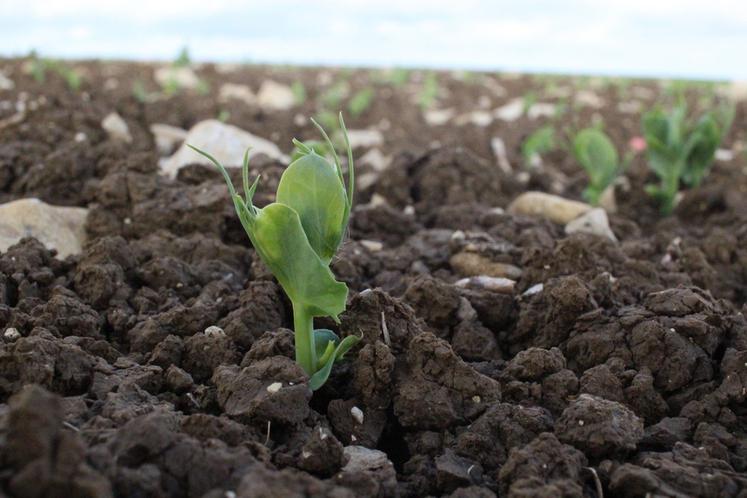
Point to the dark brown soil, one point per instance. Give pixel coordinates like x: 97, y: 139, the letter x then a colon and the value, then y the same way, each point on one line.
x: 625, y: 374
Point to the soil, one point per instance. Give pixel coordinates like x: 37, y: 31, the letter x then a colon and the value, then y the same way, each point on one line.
x: 141, y: 367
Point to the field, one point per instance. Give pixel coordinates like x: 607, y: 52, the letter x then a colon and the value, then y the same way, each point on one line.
x: 507, y: 348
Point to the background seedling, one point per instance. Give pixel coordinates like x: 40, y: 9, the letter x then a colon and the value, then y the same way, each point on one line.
x: 429, y: 91
x: 540, y: 141
x: 361, y: 101
x: 597, y: 155
x: 296, y: 237
x: 681, y: 150
x: 299, y: 92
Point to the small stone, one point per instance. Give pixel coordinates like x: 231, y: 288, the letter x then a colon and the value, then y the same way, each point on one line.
x: 494, y: 284
x: 357, y: 414
x: 11, y: 334
x: 498, y: 147
x: 232, y: 91
x: 275, y: 96
x: 477, y: 118
x: 608, y: 200
x: 57, y: 227
x: 167, y: 137
x: 511, y: 111
x: 551, y: 207
x: 372, y: 245
x: 375, y: 159
x: 541, y: 110
x: 594, y: 222
x: 274, y: 387
x: 535, y: 289
x: 214, y: 331
x: 6, y: 83
x: 438, y: 117
x: 182, y: 77
x: 471, y: 264
x: 365, y: 138
x: 116, y: 128
x: 589, y: 99
x: 724, y: 155
x: 735, y: 90
x: 225, y: 142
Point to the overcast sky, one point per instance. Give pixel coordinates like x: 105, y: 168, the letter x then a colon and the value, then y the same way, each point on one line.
x: 680, y: 38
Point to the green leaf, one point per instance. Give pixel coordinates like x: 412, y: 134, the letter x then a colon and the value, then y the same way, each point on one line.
x: 320, y: 377
x: 303, y: 148
x: 598, y: 156
x: 280, y: 240
x: 311, y: 187
x: 322, y: 338
x: 345, y: 346
x: 541, y: 141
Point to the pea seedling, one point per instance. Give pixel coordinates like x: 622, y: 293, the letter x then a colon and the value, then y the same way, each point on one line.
x: 539, y: 142
x: 598, y: 156
x: 680, y: 150
x: 297, y: 237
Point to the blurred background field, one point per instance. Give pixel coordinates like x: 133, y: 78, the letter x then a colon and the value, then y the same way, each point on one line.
x: 686, y: 39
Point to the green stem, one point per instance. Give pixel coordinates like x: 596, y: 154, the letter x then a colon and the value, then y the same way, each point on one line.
x: 671, y: 186
x: 303, y: 323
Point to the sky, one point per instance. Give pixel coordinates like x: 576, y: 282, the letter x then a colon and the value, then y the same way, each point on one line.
x: 662, y: 38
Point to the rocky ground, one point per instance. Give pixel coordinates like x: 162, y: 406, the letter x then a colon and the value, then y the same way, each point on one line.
x: 516, y: 342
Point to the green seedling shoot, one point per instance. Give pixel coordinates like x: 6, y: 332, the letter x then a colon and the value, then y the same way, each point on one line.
x: 361, y: 101
x: 319, y: 147
x: 598, y: 156
x: 680, y: 150
x: 299, y: 92
x: 540, y: 141
x: 296, y: 237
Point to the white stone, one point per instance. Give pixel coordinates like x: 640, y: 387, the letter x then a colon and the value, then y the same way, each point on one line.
x: 590, y: 99
x: 630, y: 107
x: 594, y: 222
x: 183, y: 77
x: 11, y: 334
x: 535, y: 289
x: 372, y: 245
x: 477, y: 118
x: 232, y: 91
x: 541, y: 110
x: 495, y: 284
x: 499, y: 150
x: 364, y: 181
x: 365, y: 138
x: 551, y: 207
x: 6, y: 83
x: 642, y: 92
x: 357, y: 414
x: 736, y: 90
x: 167, y: 137
x: 214, y: 331
x: 116, y: 127
x: 57, y: 227
x: 725, y: 155
x: 275, y: 96
x: 374, y: 158
x: 438, y: 117
x: 225, y: 142
x: 511, y: 111
x: 274, y: 387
